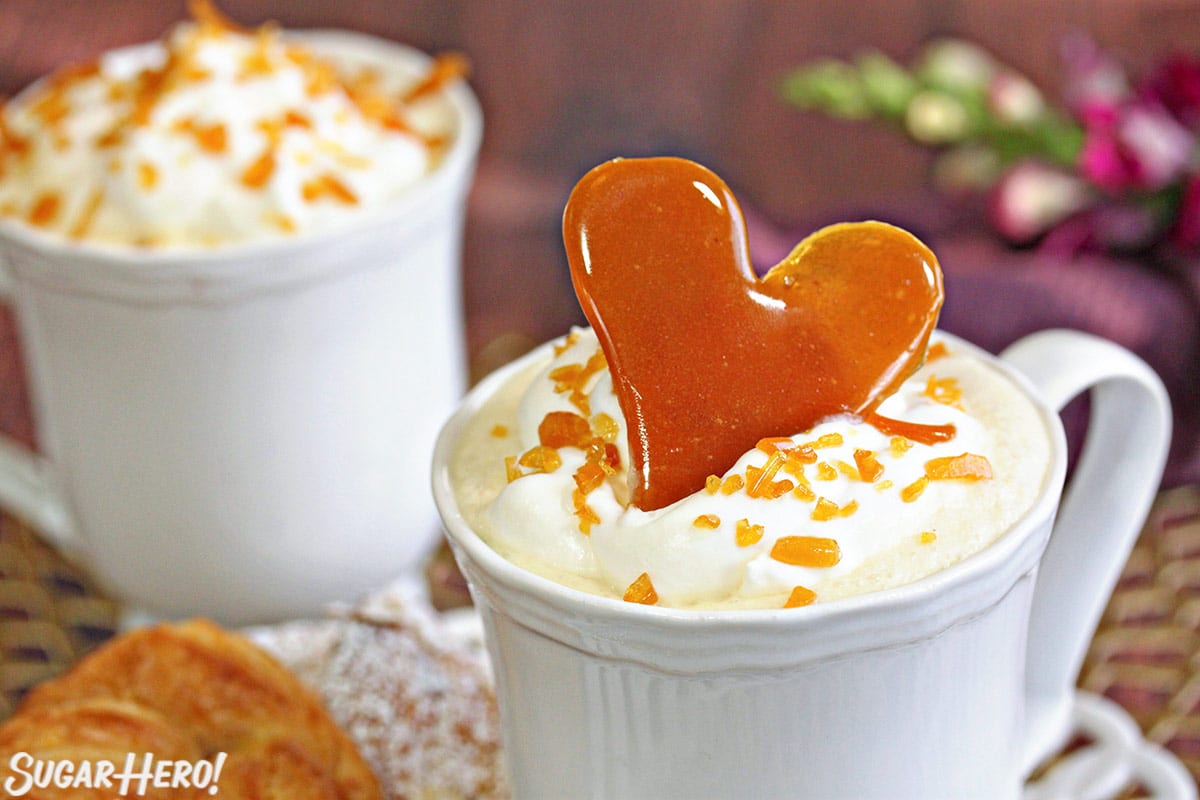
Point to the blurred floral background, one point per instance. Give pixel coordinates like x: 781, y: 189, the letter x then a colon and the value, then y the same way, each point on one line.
x: 1115, y: 168
x: 1047, y: 151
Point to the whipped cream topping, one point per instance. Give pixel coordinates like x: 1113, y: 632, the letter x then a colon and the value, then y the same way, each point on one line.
x: 216, y: 135
x: 838, y: 510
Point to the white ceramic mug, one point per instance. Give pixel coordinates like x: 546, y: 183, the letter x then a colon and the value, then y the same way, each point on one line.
x: 243, y: 432
x: 950, y: 687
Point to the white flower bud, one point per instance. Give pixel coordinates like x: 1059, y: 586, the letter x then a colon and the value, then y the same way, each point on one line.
x: 1014, y: 100
x: 957, y: 65
x: 934, y: 117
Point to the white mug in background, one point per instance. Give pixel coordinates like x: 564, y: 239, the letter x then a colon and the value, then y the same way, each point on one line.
x: 954, y: 686
x: 243, y: 432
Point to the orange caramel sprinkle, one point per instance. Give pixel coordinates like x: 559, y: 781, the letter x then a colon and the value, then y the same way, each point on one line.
x: 758, y: 480
x: 328, y: 185
x: 50, y: 105
x: 943, y: 390
x: 587, y: 516
x: 804, y: 492
x: 10, y: 143
x: 260, y: 171
x: 796, y: 470
x: 258, y: 61
x: 283, y: 222
x: 572, y: 379
x: 605, y: 427
x: 827, y: 440
x: 589, y: 476
x: 779, y: 489
x: 925, y: 434
x: 511, y: 471
x: 936, y: 350
x: 899, y: 445
x: 806, y: 551
x: 321, y: 77
x: 712, y: 484
x: 963, y: 467
x: 273, y: 128
x: 641, y: 591
x: 210, y: 138
x: 773, y: 444
x: 800, y: 596
x: 45, y: 209
x: 848, y: 470
x: 824, y: 510
x: 745, y: 534
x: 84, y: 221
x: 147, y: 175
x: 606, y: 455
x: 375, y: 105
x: 206, y: 13
x: 732, y: 484
x: 826, y: 472
x: 213, y: 138
x: 928, y: 537
x: 447, y: 68
x: 110, y: 138
x: 869, y: 468
x: 804, y: 454
x: 296, y: 119
x: 911, y: 492
x: 499, y: 431
x: 564, y: 429
x: 566, y: 344
x: 540, y: 459
x: 709, y: 521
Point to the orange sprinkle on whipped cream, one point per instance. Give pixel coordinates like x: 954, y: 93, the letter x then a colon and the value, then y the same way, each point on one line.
x: 252, y: 124
x: 641, y: 591
x: 806, y: 551
x: 801, y: 512
x: 800, y: 596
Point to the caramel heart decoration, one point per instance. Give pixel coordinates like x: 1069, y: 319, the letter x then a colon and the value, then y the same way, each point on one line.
x: 706, y: 358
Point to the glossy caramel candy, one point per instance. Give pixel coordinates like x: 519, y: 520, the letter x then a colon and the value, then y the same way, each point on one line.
x: 706, y: 358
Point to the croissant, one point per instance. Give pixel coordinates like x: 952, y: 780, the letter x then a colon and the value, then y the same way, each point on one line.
x: 186, y: 694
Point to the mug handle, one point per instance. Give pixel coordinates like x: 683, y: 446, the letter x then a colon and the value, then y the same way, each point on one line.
x: 29, y: 486
x: 1105, y: 505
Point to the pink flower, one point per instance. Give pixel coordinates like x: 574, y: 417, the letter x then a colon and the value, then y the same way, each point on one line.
x: 1101, y: 160
x: 1135, y: 146
x: 1176, y: 84
x: 1032, y: 197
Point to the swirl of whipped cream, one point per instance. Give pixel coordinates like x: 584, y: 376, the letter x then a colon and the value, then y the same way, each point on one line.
x: 813, y: 515
x: 214, y: 135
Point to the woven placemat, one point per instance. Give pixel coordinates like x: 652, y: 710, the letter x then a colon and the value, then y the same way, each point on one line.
x: 1145, y: 656
x: 50, y: 612
x: 1146, y: 653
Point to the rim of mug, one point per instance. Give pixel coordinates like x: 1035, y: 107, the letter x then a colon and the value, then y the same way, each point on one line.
x: 1013, y: 554
x: 226, y: 261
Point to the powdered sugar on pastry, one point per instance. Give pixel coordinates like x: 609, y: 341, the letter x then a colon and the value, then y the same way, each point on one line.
x: 414, y: 697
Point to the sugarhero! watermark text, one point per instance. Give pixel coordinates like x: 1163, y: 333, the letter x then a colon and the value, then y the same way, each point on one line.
x: 133, y: 778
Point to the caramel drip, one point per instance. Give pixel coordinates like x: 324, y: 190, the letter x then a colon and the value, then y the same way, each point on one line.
x: 914, y: 431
